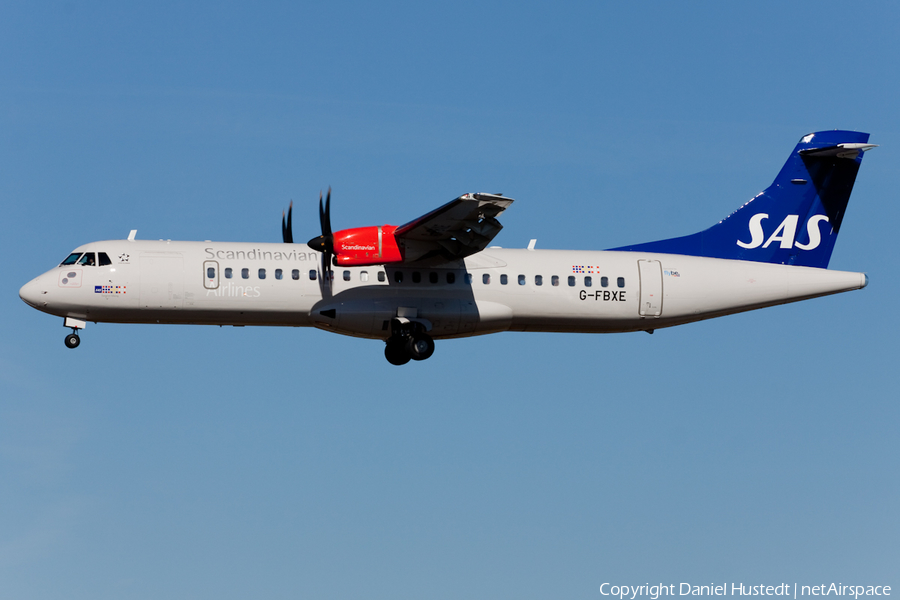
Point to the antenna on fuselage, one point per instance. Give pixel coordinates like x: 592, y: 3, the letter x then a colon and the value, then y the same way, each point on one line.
x: 131, y: 235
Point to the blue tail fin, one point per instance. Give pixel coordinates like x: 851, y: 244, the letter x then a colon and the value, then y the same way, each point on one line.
x: 796, y: 220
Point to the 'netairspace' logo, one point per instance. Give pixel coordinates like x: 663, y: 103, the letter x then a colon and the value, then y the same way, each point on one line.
x: 631, y: 592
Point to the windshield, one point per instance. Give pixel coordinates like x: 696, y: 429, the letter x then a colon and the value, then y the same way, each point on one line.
x: 71, y: 259
x: 88, y: 260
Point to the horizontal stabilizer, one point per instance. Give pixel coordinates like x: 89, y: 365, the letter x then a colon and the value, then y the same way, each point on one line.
x: 841, y: 150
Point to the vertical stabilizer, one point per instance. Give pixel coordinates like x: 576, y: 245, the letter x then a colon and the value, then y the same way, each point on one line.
x: 796, y: 220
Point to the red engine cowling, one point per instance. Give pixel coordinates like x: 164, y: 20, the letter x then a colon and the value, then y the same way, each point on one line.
x: 362, y: 246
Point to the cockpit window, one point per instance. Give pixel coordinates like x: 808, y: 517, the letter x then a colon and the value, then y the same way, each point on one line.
x: 71, y: 259
x: 103, y: 257
x: 88, y: 260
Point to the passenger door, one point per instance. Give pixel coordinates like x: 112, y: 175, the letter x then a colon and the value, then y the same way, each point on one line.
x: 651, y: 288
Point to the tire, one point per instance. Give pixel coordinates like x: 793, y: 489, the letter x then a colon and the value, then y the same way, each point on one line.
x: 396, y: 353
x: 72, y: 340
x: 420, y: 346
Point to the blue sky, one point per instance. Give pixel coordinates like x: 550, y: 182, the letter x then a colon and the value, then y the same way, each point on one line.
x: 192, y: 462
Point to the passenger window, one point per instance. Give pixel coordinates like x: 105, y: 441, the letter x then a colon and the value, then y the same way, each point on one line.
x: 587, y: 281
x: 346, y: 275
x: 312, y: 274
x: 295, y: 274
x: 210, y: 272
x: 398, y: 276
x: 468, y: 278
x: 103, y: 259
x: 417, y: 277
x: 381, y: 276
x: 278, y: 273
x: 504, y: 279
x: 521, y: 280
x: 451, y: 277
x: 604, y: 281
x: 71, y: 259
x: 554, y: 281
x: 245, y: 273
x: 262, y: 273
x: 538, y: 280
x: 433, y: 277
x: 620, y: 282
x: 227, y: 272
x: 88, y: 260
x: 571, y: 281
x: 363, y: 275
x: 486, y: 278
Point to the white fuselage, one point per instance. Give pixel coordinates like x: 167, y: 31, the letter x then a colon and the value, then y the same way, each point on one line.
x: 224, y: 283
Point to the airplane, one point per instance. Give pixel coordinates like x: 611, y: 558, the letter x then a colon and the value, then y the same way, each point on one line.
x: 436, y: 278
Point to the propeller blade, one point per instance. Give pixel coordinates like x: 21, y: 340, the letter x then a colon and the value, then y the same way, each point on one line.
x: 325, y: 217
x: 287, y: 232
x: 324, y: 243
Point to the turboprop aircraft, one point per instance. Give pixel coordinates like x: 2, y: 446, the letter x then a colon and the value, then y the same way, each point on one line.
x: 436, y: 278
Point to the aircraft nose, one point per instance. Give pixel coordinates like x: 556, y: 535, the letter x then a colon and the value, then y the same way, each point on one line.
x: 34, y: 293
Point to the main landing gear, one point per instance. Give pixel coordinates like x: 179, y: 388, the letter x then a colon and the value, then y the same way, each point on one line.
x: 408, y: 343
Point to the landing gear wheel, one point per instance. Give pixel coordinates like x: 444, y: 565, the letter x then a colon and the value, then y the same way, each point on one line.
x: 72, y: 340
x: 419, y: 346
x: 395, y: 353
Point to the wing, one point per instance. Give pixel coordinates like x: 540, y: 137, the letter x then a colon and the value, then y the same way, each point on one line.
x: 457, y: 229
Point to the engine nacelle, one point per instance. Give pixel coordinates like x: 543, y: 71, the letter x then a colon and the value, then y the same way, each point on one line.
x: 363, y: 246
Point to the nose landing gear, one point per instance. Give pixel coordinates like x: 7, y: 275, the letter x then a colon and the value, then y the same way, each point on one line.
x: 72, y: 340
x: 408, y: 343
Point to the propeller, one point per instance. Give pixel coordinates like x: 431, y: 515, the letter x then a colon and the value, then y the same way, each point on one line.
x: 325, y: 242
x: 287, y: 233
